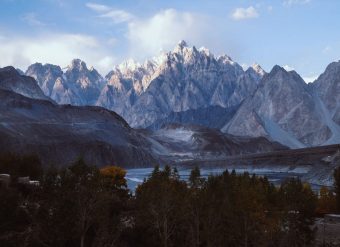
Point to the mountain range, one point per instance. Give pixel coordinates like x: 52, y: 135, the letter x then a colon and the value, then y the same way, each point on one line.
x: 59, y: 134
x: 192, y: 86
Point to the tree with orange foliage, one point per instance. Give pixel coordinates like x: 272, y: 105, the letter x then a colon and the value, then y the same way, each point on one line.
x: 114, y: 175
x: 326, y: 201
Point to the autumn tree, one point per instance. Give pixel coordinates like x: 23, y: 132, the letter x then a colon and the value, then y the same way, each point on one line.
x: 80, y: 206
x: 326, y: 201
x: 115, y: 176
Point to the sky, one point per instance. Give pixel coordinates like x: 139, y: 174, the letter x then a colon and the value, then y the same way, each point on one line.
x: 301, y: 35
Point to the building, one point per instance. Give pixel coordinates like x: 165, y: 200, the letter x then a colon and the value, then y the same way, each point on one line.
x: 27, y: 180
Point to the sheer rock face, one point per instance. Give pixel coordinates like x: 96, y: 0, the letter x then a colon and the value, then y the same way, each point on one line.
x: 11, y: 80
x: 189, y: 85
x: 124, y: 85
x: 327, y: 87
x: 284, y: 109
x: 78, y: 85
x: 187, y: 79
x: 183, y: 79
x: 213, y: 117
x: 46, y: 76
x: 60, y: 134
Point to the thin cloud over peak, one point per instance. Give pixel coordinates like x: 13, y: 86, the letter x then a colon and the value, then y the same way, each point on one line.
x: 32, y: 20
x: 98, y: 7
x: 244, y: 13
x: 124, y: 29
x: 54, y: 48
x: 118, y: 16
x: 162, y: 31
x: 288, y: 67
x: 115, y: 15
x: 295, y: 2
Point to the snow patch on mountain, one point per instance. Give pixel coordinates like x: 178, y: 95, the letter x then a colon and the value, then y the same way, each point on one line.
x: 276, y: 133
x: 326, y: 117
x: 178, y: 134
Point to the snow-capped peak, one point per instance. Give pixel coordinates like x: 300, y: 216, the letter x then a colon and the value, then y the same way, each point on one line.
x: 128, y: 65
x: 160, y: 59
x: 258, y: 69
x: 225, y: 59
x: 205, y: 51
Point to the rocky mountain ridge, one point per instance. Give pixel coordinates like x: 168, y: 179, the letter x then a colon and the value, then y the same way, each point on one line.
x: 183, y: 79
x: 188, y: 85
x: 283, y: 108
x: 60, y: 134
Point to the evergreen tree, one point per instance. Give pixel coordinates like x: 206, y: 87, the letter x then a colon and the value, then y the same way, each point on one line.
x: 195, y: 177
x: 300, y: 205
x: 337, y: 188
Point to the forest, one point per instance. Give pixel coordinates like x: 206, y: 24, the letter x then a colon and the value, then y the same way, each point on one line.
x: 83, y: 205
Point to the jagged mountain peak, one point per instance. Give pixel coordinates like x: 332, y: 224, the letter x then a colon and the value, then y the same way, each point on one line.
x: 284, y: 108
x: 182, y: 44
x: 77, y: 64
x: 225, y: 59
x: 332, y: 69
x: 205, y: 51
x: 9, y: 71
x: 79, y: 68
x: 279, y: 74
x: 180, y: 47
x: 40, y: 66
x: 10, y: 79
x: 20, y: 71
x: 278, y: 69
x: 332, y: 72
x: 158, y: 60
x: 128, y: 65
x: 258, y: 69
x: 327, y: 87
x: 256, y: 72
x: 183, y: 50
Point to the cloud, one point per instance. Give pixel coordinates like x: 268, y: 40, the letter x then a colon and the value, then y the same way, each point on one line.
x: 327, y: 49
x: 118, y: 16
x: 98, y: 7
x: 32, y: 20
x: 244, y: 66
x: 143, y: 37
x: 54, y: 48
x: 309, y: 79
x: 163, y: 30
x: 288, y: 68
x: 244, y: 13
x: 115, y: 15
x: 112, y: 41
x: 295, y: 2
x: 147, y: 36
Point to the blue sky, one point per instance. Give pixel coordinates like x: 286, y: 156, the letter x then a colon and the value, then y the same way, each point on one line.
x: 298, y: 34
